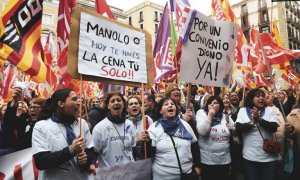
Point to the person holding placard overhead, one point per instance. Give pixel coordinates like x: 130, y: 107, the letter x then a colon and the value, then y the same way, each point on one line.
x: 60, y: 148
x: 114, y: 136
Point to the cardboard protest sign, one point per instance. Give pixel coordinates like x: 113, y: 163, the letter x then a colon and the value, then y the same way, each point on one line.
x: 130, y: 171
x: 108, y: 51
x: 207, y: 56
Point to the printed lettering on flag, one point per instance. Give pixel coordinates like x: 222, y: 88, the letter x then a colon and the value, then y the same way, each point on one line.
x: 20, y: 37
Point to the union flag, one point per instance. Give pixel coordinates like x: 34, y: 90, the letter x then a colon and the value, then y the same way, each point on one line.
x: 20, y: 34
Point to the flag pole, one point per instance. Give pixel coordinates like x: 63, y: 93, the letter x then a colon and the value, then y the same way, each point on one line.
x: 188, y: 102
x: 143, y: 118
x: 80, y: 107
x: 270, y: 74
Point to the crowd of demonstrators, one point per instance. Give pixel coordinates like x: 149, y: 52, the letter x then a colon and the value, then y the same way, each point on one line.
x: 18, y: 121
x: 220, y: 134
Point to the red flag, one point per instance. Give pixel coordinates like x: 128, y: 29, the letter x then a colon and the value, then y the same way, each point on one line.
x: 102, y: 8
x: 274, y: 53
x: 20, y: 34
x: 261, y: 80
x: 63, y: 23
x: 9, y: 77
x: 48, y: 53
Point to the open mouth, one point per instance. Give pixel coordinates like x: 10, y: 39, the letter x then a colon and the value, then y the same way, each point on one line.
x: 116, y: 107
x: 134, y: 110
x: 170, y: 110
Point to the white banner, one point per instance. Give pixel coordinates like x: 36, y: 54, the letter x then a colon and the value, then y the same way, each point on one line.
x: 207, y: 56
x: 138, y: 170
x: 111, y: 51
x: 18, y: 165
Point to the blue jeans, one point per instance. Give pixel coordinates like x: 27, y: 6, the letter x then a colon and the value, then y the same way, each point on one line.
x: 259, y: 170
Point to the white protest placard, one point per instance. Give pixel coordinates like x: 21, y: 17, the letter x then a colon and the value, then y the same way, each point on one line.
x: 111, y: 51
x: 207, y: 56
x: 131, y: 171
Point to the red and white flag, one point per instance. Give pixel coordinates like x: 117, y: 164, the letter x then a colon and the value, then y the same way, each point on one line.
x: 9, y: 78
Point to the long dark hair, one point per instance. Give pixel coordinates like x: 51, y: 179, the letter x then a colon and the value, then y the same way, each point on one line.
x: 51, y: 105
x: 157, y: 114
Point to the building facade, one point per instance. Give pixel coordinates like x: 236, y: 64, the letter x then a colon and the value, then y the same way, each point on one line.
x: 145, y: 16
x: 259, y: 13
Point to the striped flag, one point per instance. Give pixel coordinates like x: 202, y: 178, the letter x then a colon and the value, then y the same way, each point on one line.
x: 20, y: 34
x: 162, y: 52
x: 9, y: 77
x: 102, y: 8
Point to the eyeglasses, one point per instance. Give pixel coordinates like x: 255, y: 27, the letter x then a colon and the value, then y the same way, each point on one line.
x: 34, y: 107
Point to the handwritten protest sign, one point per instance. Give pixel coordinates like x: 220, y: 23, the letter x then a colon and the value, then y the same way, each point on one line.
x: 131, y: 171
x: 108, y: 51
x: 207, y: 56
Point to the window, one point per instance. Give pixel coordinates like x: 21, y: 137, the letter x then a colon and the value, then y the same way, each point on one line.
x: 265, y: 16
x: 156, y: 28
x: 47, y: 19
x: 130, y: 21
x: 155, y: 16
x: 141, y: 16
x: 244, y: 8
x: 244, y: 22
x: 160, y: 14
x: 265, y: 29
x: 141, y: 26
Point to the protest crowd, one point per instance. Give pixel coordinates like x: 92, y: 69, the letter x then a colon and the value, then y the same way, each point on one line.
x: 220, y: 134
x: 201, y: 114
